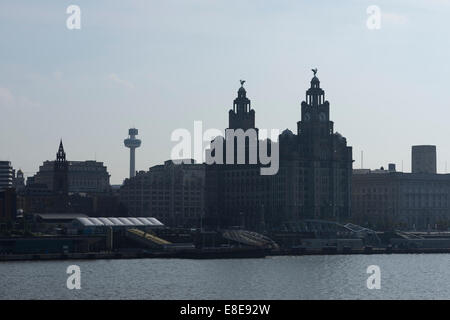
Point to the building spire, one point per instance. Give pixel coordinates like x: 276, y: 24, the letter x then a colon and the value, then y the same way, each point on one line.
x: 60, y: 172
x: 61, y: 155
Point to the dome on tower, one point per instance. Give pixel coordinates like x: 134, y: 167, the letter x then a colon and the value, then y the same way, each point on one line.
x: 287, y: 133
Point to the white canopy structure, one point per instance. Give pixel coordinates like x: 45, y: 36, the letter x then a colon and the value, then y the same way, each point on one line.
x: 117, y: 222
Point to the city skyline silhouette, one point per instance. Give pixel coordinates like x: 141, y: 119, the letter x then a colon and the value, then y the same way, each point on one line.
x: 137, y: 68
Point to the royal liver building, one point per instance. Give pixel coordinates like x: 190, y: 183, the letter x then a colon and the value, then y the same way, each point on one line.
x: 313, y: 180
x: 316, y: 165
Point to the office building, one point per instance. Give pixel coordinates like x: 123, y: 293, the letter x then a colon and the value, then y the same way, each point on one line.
x: 62, y: 176
x: 313, y: 180
x: 172, y: 193
x: 6, y: 175
x: 386, y: 200
x: 423, y: 159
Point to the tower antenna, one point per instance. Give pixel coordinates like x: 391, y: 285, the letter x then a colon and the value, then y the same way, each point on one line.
x: 362, y: 159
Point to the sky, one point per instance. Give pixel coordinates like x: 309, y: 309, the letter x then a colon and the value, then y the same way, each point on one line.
x: 161, y: 65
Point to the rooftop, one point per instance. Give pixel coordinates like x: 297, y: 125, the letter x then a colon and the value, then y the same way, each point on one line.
x: 119, y: 222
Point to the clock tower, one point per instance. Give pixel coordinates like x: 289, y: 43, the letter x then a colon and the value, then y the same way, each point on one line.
x: 325, y: 160
x: 315, y: 110
x: 60, y: 172
x: 315, y: 126
x: 242, y: 116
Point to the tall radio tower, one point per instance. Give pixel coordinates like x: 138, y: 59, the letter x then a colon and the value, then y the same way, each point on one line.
x: 132, y: 143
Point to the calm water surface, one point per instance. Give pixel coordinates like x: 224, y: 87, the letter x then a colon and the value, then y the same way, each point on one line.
x: 412, y: 276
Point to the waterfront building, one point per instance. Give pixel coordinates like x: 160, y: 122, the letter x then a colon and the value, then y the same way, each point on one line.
x: 62, y: 176
x: 387, y: 199
x: 172, y: 193
x: 313, y: 180
x: 6, y: 175
x: 63, y: 187
x: 234, y: 190
x: 315, y: 164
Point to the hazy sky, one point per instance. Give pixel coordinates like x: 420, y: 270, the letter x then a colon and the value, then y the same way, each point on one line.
x: 161, y: 65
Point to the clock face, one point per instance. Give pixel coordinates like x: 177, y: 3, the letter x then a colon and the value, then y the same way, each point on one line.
x: 307, y: 116
x: 322, y: 116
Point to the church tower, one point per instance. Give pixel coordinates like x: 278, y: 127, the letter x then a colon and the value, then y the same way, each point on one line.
x: 241, y: 116
x: 61, y: 172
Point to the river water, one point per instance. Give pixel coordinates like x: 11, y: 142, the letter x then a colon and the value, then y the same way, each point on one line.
x: 403, y: 276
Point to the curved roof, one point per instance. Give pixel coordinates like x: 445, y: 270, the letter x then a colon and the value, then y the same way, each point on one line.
x: 287, y: 132
x: 315, y: 79
x: 136, y: 221
x: 106, y: 221
x: 119, y: 222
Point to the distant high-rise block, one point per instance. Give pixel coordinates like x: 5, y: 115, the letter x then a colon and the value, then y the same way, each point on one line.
x: 6, y: 175
x: 423, y: 159
x: 132, y: 143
